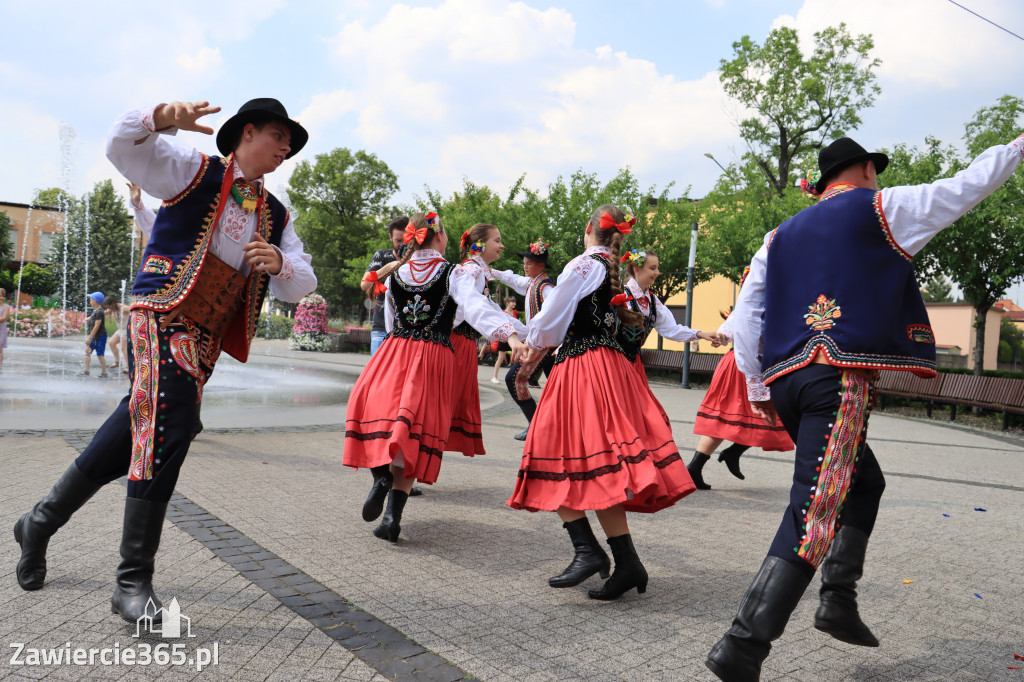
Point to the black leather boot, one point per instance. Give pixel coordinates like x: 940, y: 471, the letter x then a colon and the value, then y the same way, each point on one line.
x: 390, y: 525
x: 842, y: 568
x: 695, y: 467
x: 731, y: 457
x: 34, y: 529
x: 382, y: 480
x: 761, y: 619
x: 529, y: 407
x: 588, y: 560
x: 629, y: 572
x: 140, y: 539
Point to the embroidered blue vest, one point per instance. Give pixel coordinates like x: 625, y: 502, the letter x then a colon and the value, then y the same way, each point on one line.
x: 177, y: 248
x: 424, y: 312
x: 533, y: 299
x: 837, y: 282
x: 594, y: 323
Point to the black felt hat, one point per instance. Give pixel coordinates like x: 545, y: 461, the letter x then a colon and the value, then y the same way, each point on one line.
x: 255, y: 110
x: 842, y: 153
x: 539, y: 257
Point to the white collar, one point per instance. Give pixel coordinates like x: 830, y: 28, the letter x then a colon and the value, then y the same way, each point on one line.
x: 598, y: 248
x: 237, y: 173
x: 635, y: 289
x: 426, y: 254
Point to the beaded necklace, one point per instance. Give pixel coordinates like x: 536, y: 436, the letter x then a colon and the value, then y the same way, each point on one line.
x: 425, y: 269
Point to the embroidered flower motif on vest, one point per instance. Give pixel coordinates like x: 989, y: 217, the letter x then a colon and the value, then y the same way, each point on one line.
x: 921, y: 333
x: 822, y: 314
x: 417, y: 310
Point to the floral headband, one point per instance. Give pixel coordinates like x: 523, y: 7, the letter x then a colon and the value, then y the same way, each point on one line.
x: 636, y: 257
x: 419, y: 235
x: 625, y: 227
x: 477, y: 247
x: 807, y: 184
x: 539, y: 248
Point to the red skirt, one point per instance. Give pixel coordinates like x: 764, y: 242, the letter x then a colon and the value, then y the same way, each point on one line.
x: 725, y: 412
x: 400, y: 410
x: 465, y: 435
x: 598, y: 439
x: 638, y: 367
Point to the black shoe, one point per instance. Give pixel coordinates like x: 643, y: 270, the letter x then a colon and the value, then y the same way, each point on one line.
x: 382, y: 480
x: 415, y: 492
x: 842, y: 568
x: 629, y: 572
x: 588, y: 560
x: 134, y: 597
x: 695, y: 467
x: 523, y: 434
x: 731, y: 457
x: 390, y: 527
x: 761, y: 619
x: 34, y: 529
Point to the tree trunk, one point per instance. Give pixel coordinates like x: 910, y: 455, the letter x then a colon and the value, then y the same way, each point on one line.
x: 980, y: 314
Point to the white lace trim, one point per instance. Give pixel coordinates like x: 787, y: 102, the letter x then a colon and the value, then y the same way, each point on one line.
x: 504, y: 331
x: 1018, y: 144
x: 287, y: 267
x: 757, y: 392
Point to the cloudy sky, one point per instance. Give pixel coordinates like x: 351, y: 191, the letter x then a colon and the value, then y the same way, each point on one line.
x: 485, y: 89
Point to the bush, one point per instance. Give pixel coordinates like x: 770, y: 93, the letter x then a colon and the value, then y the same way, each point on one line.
x: 7, y: 281
x: 274, y: 327
x: 39, y: 322
x: 36, y: 281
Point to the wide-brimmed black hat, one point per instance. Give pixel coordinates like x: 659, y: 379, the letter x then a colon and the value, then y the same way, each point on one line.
x: 842, y: 153
x: 539, y: 257
x: 254, y: 110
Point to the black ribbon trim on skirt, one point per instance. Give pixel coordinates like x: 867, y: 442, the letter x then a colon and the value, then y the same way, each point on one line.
x: 599, y: 471
x: 731, y: 422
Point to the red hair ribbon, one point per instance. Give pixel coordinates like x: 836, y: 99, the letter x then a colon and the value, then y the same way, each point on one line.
x: 412, y: 233
x: 608, y: 223
x: 625, y: 256
x: 378, y: 286
x: 465, y: 239
x: 621, y: 299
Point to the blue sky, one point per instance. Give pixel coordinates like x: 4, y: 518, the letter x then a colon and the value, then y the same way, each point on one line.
x: 485, y: 89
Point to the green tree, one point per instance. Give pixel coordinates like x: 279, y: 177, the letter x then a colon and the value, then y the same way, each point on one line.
x: 1012, y: 336
x: 938, y: 289
x: 341, y: 199
x: 52, y: 197
x: 36, y: 280
x: 982, y: 251
x: 798, y: 102
x: 98, y: 239
x: 6, y: 246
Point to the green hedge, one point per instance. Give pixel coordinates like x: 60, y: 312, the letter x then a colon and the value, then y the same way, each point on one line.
x: 280, y: 327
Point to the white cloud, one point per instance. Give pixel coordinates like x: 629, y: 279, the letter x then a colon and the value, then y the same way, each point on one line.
x: 207, y: 59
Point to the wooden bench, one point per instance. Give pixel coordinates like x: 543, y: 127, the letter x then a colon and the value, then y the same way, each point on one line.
x: 1000, y: 394
x: 672, y: 360
x: 358, y: 335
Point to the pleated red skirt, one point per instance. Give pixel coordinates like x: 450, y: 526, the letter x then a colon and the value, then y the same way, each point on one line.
x: 598, y: 439
x: 400, y: 410
x: 725, y: 412
x: 465, y: 434
x: 638, y: 367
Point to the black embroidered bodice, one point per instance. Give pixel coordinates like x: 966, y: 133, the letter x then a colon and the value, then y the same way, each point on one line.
x: 594, y: 323
x: 424, y: 312
x: 633, y: 337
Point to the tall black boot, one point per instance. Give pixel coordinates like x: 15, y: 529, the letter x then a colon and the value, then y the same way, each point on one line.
x: 34, y: 529
x: 842, y: 568
x: 529, y: 407
x: 731, y: 457
x: 140, y: 539
x: 629, y: 572
x: 762, y: 617
x: 588, y: 560
x: 390, y: 525
x: 695, y: 467
x: 382, y: 480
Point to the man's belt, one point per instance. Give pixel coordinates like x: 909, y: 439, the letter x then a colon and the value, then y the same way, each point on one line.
x: 215, y: 298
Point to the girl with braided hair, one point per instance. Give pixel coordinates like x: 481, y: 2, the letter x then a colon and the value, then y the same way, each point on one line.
x: 480, y: 246
x: 400, y: 409
x: 599, y: 440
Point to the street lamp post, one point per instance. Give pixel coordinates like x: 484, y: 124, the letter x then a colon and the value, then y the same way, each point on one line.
x: 689, y: 303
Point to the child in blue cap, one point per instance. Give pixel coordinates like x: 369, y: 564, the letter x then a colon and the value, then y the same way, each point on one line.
x: 97, y: 334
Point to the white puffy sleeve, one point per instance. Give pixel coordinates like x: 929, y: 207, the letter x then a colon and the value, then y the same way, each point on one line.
x: 481, y: 312
x: 389, y: 307
x: 296, y: 278
x: 144, y: 218
x: 581, y: 277
x: 517, y: 283
x: 667, y: 326
x: 147, y: 158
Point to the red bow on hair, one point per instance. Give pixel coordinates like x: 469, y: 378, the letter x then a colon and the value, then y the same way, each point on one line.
x: 465, y: 239
x: 625, y: 256
x: 621, y: 299
x: 608, y: 223
x: 378, y: 286
x: 412, y: 233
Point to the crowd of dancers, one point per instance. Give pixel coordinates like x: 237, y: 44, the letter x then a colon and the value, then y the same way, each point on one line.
x: 810, y: 334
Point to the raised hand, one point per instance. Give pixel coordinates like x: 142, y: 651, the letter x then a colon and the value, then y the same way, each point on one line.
x: 135, y: 194
x: 183, y: 116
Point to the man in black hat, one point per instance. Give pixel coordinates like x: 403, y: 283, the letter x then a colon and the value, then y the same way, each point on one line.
x: 533, y: 286
x: 218, y: 242
x: 830, y: 300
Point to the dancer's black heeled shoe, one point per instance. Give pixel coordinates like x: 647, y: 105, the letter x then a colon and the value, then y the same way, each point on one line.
x: 588, y: 560
x: 390, y: 525
x: 382, y: 480
x: 629, y: 572
x: 731, y: 457
x: 695, y: 467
